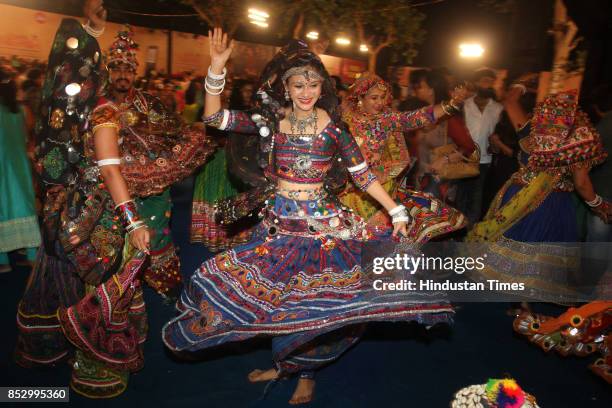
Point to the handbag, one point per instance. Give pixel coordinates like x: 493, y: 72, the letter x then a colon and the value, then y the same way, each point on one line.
x: 465, y: 168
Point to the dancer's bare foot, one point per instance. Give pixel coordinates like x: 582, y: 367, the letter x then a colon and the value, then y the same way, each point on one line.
x: 263, y: 375
x: 303, y: 392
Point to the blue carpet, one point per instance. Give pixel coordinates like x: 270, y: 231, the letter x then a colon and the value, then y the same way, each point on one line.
x: 395, y: 365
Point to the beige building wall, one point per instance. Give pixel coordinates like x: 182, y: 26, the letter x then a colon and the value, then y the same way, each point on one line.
x: 29, y: 34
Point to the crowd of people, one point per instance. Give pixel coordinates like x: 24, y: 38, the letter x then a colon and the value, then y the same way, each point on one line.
x: 295, y: 173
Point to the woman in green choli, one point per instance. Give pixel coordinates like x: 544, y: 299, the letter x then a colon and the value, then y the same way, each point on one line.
x: 18, y: 221
x: 214, y: 183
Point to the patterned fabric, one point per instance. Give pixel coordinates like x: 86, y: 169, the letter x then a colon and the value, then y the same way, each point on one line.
x: 108, y: 326
x: 53, y: 283
x: 156, y: 151
x: 579, y: 331
x: 214, y: 183
x: 562, y: 138
x: 123, y: 49
x: 163, y: 274
x: 363, y: 204
x: 59, y: 128
x: 534, y: 209
x: 305, y: 160
x: 381, y: 141
x: 299, y: 276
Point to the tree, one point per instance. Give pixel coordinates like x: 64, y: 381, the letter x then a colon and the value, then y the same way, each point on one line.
x: 385, y: 23
x: 318, y: 13
x: 229, y: 14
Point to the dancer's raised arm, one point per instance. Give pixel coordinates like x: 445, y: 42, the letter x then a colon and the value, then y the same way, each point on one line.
x: 220, y: 52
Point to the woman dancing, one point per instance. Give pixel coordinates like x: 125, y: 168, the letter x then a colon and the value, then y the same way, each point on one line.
x: 299, y: 279
x: 534, y: 209
x: 379, y: 133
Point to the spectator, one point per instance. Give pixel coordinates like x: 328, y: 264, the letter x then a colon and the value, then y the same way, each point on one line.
x: 482, y: 113
x: 18, y: 220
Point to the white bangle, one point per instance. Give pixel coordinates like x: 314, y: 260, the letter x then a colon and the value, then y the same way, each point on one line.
x: 522, y: 87
x: 400, y: 218
x: 217, y: 76
x: 596, y: 201
x: 397, y: 210
x: 108, y: 162
x: 92, y: 31
x: 211, y: 91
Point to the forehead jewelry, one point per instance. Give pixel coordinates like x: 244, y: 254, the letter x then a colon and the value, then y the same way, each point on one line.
x: 309, y: 74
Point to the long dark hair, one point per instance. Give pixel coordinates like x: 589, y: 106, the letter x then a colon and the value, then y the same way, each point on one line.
x: 8, y: 92
x: 190, y: 93
x: 235, y: 100
x: 438, y: 82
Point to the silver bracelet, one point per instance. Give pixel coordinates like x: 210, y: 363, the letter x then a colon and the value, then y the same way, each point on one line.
x: 215, y: 83
x: 596, y: 201
x: 134, y: 226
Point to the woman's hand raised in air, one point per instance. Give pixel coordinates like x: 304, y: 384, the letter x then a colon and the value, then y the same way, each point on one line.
x: 220, y: 51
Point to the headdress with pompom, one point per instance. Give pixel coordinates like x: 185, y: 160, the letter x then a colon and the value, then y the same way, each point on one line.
x: 123, y: 49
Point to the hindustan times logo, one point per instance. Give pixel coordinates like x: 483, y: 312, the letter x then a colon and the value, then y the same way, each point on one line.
x: 411, y: 263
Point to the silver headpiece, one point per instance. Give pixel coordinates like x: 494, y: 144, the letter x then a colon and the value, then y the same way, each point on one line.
x: 306, y: 72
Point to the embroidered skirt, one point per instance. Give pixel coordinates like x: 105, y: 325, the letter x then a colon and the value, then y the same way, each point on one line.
x: 213, y: 183
x: 527, y: 235
x: 300, y: 275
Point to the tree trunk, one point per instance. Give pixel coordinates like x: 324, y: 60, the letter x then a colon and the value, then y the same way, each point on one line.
x: 299, y: 25
x: 372, y: 57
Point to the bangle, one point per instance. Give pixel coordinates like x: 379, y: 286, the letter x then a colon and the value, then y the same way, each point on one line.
x: 217, y: 76
x: 211, y: 91
x: 455, y: 105
x: 400, y: 218
x: 128, y: 214
x: 596, y: 202
x: 133, y: 227
x: 448, y: 108
x: 92, y: 31
x: 397, y: 210
x: 215, y: 83
x: 522, y: 87
x: 215, y: 119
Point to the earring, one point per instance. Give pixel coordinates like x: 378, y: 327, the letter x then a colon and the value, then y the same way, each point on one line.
x: 287, y: 97
x: 360, y: 103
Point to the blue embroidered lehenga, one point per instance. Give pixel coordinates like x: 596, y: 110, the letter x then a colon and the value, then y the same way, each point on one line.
x: 302, y: 276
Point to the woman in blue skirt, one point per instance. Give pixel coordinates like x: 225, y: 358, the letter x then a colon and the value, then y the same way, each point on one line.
x: 300, y: 278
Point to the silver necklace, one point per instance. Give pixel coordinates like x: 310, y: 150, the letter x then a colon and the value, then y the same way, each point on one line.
x: 302, y: 124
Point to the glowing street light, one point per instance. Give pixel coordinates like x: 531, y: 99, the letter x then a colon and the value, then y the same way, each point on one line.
x: 470, y: 50
x: 343, y: 41
x: 363, y: 48
x: 258, y: 17
x: 259, y: 23
x: 256, y: 12
x: 313, y: 35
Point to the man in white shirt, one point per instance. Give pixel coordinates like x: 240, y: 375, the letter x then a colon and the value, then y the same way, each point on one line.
x: 482, y: 113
